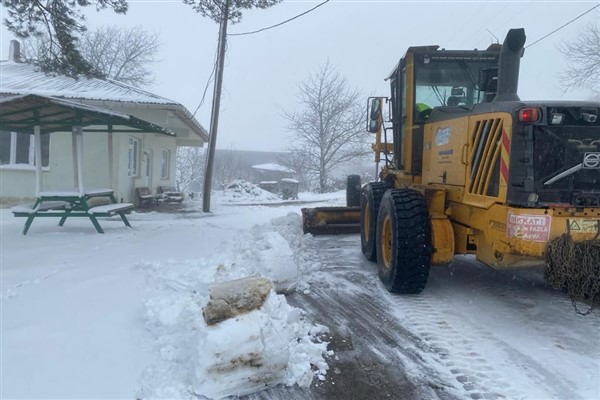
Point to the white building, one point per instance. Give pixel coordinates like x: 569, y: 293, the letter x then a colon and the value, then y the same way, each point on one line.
x: 122, y: 159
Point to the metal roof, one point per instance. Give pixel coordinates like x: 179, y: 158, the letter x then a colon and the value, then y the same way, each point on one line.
x: 18, y: 78
x: 22, y: 78
x: 21, y: 113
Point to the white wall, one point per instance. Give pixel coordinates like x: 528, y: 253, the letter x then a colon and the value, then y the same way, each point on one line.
x: 17, y: 184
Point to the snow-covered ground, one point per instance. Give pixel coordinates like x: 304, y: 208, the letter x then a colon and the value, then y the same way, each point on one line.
x: 473, y: 333
x: 119, y: 315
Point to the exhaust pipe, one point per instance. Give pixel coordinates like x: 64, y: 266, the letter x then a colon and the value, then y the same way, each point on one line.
x: 508, y: 65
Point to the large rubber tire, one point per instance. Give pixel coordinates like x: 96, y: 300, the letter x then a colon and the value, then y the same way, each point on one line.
x: 369, y: 207
x: 403, y: 241
x: 353, y: 191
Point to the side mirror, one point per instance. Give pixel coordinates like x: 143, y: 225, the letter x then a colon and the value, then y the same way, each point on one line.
x: 375, y: 108
x: 457, y: 91
x: 375, y: 115
x: 373, y: 126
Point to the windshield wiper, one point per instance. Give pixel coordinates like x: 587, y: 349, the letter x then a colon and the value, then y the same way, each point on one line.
x: 564, y: 174
x: 438, y: 94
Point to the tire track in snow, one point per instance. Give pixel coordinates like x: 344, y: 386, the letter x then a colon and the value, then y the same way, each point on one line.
x: 411, y: 322
x: 453, y: 350
x: 526, y: 310
x: 373, y: 349
x: 439, y: 337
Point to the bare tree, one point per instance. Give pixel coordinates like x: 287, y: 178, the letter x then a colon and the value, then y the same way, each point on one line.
x: 227, y: 168
x: 330, y: 129
x: 122, y: 54
x: 190, y: 168
x: 61, y: 20
x: 583, y: 55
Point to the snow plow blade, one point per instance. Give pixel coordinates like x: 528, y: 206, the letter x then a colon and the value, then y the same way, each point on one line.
x: 331, y: 220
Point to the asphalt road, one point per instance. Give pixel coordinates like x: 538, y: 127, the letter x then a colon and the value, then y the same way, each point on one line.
x: 474, y: 333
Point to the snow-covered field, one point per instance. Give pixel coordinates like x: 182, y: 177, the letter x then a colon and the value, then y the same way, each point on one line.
x: 119, y: 315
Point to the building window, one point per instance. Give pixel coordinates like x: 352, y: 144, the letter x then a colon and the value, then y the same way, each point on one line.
x: 19, y: 148
x: 133, y: 156
x: 164, y: 163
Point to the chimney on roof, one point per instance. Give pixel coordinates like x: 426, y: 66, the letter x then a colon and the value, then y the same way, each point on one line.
x: 14, y: 52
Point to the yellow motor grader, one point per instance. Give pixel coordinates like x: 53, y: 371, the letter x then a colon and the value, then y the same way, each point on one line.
x: 472, y: 169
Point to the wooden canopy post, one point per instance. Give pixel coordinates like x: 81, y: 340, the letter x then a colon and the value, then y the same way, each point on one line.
x: 79, y: 156
x: 74, y: 148
x: 37, y: 143
x: 110, y: 158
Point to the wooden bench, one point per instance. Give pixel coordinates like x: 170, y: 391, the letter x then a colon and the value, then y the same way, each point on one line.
x: 145, y: 196
x: 170, y: 194
x: 25, y: 210
x: 109, y: 210
x: 46, y: 209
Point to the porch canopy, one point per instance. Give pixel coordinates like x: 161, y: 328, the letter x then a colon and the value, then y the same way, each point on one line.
x: 38, y: 115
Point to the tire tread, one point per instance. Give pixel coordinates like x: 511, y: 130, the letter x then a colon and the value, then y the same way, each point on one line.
x: 412, y: 233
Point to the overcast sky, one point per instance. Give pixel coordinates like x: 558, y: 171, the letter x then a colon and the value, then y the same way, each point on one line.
x: 363, y: 39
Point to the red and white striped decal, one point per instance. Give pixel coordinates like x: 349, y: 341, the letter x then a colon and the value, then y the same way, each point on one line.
x: 505, y: 156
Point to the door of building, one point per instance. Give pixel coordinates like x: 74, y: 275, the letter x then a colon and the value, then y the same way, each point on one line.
x: 148, y: 170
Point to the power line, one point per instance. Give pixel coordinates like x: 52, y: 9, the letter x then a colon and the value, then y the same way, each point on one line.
x: 281, y: 23
x: 327, y: 1
x: 519, y: 10
x: 210, y: 78
x: 568, y: 23
x: 471, y: 18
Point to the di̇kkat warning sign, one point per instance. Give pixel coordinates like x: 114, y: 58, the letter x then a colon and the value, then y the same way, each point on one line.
x: 528, y: 227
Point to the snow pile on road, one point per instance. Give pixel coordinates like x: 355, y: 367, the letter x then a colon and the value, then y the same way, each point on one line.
x: 265, y: 347
x: 270, y: 256
x: 240, y: 191
x: 260, y: 349
x: 280, y: 251
x: 302, y: 247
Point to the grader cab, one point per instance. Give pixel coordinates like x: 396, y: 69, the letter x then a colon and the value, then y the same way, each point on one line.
x: 472, y: 169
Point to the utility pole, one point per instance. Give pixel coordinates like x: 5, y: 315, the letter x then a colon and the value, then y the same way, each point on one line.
x: 214, y: 117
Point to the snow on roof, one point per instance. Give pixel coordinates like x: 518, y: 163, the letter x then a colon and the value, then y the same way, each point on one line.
x: 21, y: 78
x: 273, y: 167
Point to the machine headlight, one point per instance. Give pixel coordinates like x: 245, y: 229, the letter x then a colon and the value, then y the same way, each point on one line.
x: 557, y: 119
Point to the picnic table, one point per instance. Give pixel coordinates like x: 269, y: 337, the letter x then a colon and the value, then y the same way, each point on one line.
x: 71, y: 204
